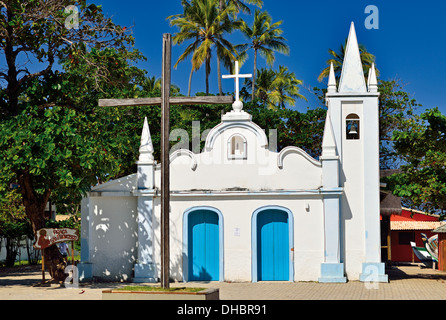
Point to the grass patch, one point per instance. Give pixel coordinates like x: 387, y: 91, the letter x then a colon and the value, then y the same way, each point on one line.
x: 158, y: 289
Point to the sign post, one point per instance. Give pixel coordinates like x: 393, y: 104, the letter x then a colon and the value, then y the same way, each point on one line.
x: 49, y: 237
x: 43, y: 265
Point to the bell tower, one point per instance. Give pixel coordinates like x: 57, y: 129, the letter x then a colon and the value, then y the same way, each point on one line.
x: 353, y: 110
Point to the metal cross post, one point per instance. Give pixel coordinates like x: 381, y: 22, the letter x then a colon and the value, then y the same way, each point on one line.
x: 165, y: 101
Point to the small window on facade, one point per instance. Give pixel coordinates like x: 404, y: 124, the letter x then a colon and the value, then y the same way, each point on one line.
x: 237, y: 147
x: 352, y: 127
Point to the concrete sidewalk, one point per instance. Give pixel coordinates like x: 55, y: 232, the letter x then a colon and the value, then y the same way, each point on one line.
x: 406, y: 283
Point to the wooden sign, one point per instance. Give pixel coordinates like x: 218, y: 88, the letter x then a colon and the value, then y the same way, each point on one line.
x: 48, y: 237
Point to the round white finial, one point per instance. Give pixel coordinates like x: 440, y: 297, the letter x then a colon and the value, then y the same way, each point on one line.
x: 237, y: 106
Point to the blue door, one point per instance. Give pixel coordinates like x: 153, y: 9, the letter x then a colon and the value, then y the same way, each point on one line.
x: 203, y: 246
x: 273, y: 255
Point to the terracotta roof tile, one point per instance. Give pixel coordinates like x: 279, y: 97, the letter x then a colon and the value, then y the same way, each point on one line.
x: 415, y: 225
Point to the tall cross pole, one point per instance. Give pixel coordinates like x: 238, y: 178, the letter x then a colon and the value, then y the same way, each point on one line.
x: 165, y: 163
x: 165, y: 101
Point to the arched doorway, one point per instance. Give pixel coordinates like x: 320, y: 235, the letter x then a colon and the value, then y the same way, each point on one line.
x: 272, y: 242
x: 202, y: 245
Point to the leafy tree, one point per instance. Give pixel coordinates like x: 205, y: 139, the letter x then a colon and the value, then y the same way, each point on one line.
x: 53, y: 142
x: 240, y: 5
x: 294, y: 128
x: 275, y: 89
x: 396, y: 113
x: 265, y: 38
x: 13, y: 224
x: 423, y: 148
x: 36, y: 30
x: 153, y: 84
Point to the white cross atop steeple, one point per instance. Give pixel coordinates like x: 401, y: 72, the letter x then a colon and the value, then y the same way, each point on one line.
x: 237, y: 105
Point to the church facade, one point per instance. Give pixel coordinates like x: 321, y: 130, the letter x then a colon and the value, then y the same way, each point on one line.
x: 242, y: 212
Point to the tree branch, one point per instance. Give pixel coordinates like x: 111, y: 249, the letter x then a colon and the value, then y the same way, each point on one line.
x: 37, y: 74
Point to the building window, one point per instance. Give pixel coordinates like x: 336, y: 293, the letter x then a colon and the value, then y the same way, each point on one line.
x: 352, y: 127
x: 406, y: 237
x: 237, y: 147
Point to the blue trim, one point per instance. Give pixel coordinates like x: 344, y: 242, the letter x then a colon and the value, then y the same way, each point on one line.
x: 254, y: 267
x: 332, y: 273
x: 186, y: 237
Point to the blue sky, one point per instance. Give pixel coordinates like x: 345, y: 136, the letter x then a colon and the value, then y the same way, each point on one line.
x: 409, y: 44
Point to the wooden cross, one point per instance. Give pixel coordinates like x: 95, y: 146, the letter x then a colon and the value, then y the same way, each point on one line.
x: 165, y: 101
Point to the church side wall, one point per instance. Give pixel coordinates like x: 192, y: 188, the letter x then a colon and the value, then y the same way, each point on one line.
x: 114, y: 236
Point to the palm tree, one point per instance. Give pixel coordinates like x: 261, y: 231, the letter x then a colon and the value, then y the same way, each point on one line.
x: 265, y: 38
x: 206, y: 26
x: 153, y: 84
x: 238, y: 6
x: 338, y: 59
x: 277, y: 89
x: 285, y: 88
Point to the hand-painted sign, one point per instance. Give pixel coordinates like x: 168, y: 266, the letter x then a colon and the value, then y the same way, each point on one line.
x: 48, y: 237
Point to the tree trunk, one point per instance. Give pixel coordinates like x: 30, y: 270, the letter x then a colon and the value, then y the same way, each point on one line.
x: 254, y: 76
x: 190, y: 81
x: 220, y: 89
x: 12, y: 247
x: 208, y: 71
x: 35, y: 211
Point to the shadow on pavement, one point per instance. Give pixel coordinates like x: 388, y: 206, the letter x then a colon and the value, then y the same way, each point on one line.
x: 414, y: 272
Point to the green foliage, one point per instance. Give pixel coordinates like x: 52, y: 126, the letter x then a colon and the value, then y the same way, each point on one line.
x: 396, y: 113
x: 58, y: 147
x: 36, y: 30
x: 294, y: 128
x: 13, y: 222
x: 423, y: 177
x: 274, y: 89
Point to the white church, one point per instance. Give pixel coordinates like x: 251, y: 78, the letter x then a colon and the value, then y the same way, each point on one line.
x: 241, y: 212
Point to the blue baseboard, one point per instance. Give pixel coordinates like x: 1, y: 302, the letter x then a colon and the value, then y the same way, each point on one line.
x: 144, y: 273
x: 332, y: 273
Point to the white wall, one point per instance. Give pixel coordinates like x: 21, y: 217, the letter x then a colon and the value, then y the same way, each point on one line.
x: 113, y: 237
x: 259, y: 171
x: 352, y: 178
x: 237, y: 212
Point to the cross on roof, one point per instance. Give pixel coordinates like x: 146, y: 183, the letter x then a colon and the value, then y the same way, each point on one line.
x: 236, y: 78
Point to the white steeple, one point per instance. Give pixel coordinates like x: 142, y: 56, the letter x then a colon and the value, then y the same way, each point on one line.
x: 146, y: 148
x: 352, y: 76
x: 328, y: 141
x: 332, y: 80
x: 372, y: 81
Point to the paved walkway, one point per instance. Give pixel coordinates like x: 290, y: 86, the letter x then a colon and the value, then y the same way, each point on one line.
x: 406, y: 283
